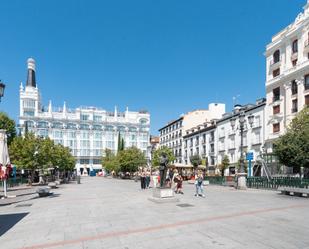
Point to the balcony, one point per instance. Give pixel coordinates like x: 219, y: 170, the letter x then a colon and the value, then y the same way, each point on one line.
x: 276, y: 98
x: 274, y: 64
x: 211, y: 152
x: 294, y: 56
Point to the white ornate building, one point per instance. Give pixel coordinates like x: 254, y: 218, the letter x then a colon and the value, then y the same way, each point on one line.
x: 87, y: 131
x: 287, y: 76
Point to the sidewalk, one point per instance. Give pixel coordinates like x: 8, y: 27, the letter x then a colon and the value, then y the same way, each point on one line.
x: 18, y: 194
x: 106, y: 213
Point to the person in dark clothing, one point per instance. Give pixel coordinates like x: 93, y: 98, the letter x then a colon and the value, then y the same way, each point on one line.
x: 143, y: 180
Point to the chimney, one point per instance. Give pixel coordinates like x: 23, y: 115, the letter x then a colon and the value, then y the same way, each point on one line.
x: 31, y: 73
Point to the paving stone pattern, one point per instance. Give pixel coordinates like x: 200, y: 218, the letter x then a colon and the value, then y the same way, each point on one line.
x: 112, y: 213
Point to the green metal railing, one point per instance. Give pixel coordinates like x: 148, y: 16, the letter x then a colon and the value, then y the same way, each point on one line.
x: 219, y: 180
x: 274, y: 183
x: 11, y: 182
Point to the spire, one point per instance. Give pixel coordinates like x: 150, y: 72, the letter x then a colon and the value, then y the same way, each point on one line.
x: 64, y: 110
x: 21, y: 88
x: 115, y: 112
x: 31, y: 73
x: 50, y: 107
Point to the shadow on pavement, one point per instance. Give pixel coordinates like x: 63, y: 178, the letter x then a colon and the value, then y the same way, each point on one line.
x: 7, y: 221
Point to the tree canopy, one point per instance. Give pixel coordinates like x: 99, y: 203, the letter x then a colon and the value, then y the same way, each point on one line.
x: 195, y: 160
x: 32, y: 153
x: 130, y: 159
x: 224, y: 164
x: 110, y: 161
x: 292, y: 148
x: 9, y: 125
x: 159, y: 152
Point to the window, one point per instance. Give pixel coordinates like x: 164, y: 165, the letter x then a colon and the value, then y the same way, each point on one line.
x: 294, y: 62
x: 295, y: 46
x: 84, y: 117
x: 307, y: 82
x: 276, y: 127
x: 28, y: 113
x: 307, y: 100
x: 294, y: 87
x: 276, y: 109
x: 276, y: 94
x: 276, y: 56
x: 29, y: 103
x: 294, y: 105
x: 276, y: 72
x: 97, y: 118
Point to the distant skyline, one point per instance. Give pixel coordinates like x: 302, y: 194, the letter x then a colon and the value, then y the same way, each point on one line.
x: 168, y: 57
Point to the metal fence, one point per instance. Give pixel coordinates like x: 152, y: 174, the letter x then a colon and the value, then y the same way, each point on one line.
x: 275, y: 182
x: 11, y: 182
x: 219, y: 180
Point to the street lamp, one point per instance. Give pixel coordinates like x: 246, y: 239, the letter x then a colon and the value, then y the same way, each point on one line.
x: 241, y: 176
x: 2, y: 87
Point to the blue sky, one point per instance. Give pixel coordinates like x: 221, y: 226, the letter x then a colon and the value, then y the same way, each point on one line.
x: 166, y: 56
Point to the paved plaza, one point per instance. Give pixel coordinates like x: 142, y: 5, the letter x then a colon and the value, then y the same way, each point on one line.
x: 112, y: 213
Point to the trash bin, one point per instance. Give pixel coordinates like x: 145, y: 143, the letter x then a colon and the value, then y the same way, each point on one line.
x: 78, y: 179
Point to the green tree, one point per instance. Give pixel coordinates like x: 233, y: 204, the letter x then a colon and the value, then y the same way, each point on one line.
x: 159, y: 152
x: 34, y: 153
x: 195, y: 160
x: 292, y: 148
x: 110, y: 161
x: 224, y: 164
x: 9, y: 126
x: 120, y: 142
x: 130, y: 159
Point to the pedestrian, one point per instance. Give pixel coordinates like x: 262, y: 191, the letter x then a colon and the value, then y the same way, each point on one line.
x: 147, y: 178
x: 179, y: 184
x: 199, y: 185
x: 143, y: 180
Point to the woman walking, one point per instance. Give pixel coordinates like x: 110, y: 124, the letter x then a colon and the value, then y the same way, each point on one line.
x: 199, y: 185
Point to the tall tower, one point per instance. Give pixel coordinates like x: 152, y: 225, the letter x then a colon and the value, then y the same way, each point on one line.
x: 30, y: 99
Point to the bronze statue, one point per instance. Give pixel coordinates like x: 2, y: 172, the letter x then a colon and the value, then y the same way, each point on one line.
x: 163, y: 169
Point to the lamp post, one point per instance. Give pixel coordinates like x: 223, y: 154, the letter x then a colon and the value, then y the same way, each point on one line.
x: 241, y: 176
x: 2, y: 87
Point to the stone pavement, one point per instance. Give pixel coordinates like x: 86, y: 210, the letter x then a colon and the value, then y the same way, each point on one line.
x: 111, y: 213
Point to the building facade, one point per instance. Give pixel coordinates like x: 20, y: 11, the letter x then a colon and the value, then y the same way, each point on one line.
x: 87, y: 131
x: 287, y: 76
x: 217, y: 139
x: 171, y: 135
x: 228, y: 137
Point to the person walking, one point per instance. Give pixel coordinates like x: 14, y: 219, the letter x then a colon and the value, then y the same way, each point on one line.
x: 199, y: 185
x: 147, y: 178
x: 143, y: 180
x: 179, y: 180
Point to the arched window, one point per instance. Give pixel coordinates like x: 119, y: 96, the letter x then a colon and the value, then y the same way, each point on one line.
x: 295, y: 46
x: 143, y: 121
x: 276, y: 56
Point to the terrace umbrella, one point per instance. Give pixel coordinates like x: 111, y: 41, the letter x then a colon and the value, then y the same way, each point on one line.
x: 4, y: 159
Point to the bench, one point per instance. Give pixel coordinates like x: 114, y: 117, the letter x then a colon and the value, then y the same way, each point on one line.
x: 44, y: 191
x: 302, y: 192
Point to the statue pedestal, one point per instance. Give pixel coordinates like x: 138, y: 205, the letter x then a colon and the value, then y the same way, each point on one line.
x: 163, y: 195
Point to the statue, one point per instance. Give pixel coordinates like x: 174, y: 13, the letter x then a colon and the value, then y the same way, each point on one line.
x: 163, y: 169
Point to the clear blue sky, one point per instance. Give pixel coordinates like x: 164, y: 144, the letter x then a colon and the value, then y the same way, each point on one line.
x: 166, y: 56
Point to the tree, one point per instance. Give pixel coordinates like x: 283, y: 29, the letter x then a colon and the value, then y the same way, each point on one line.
x: 130, y: 159
x: 110, y: 161
x: 224, y: 164
x: 120, y: 142
x: 9, y: 126
x: 195, y: 160
x: 159, y: 152
x: 292, y: 148
x: 34, y: 153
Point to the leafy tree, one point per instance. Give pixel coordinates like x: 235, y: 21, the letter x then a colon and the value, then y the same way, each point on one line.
x: 9, y: 126
x: 292, y: 149
x: 35, y: 153
x: 195, y: 160
x: 110, y: 161
x: 159, y: 152
x: 224, y: 164
x: 130, y: 159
